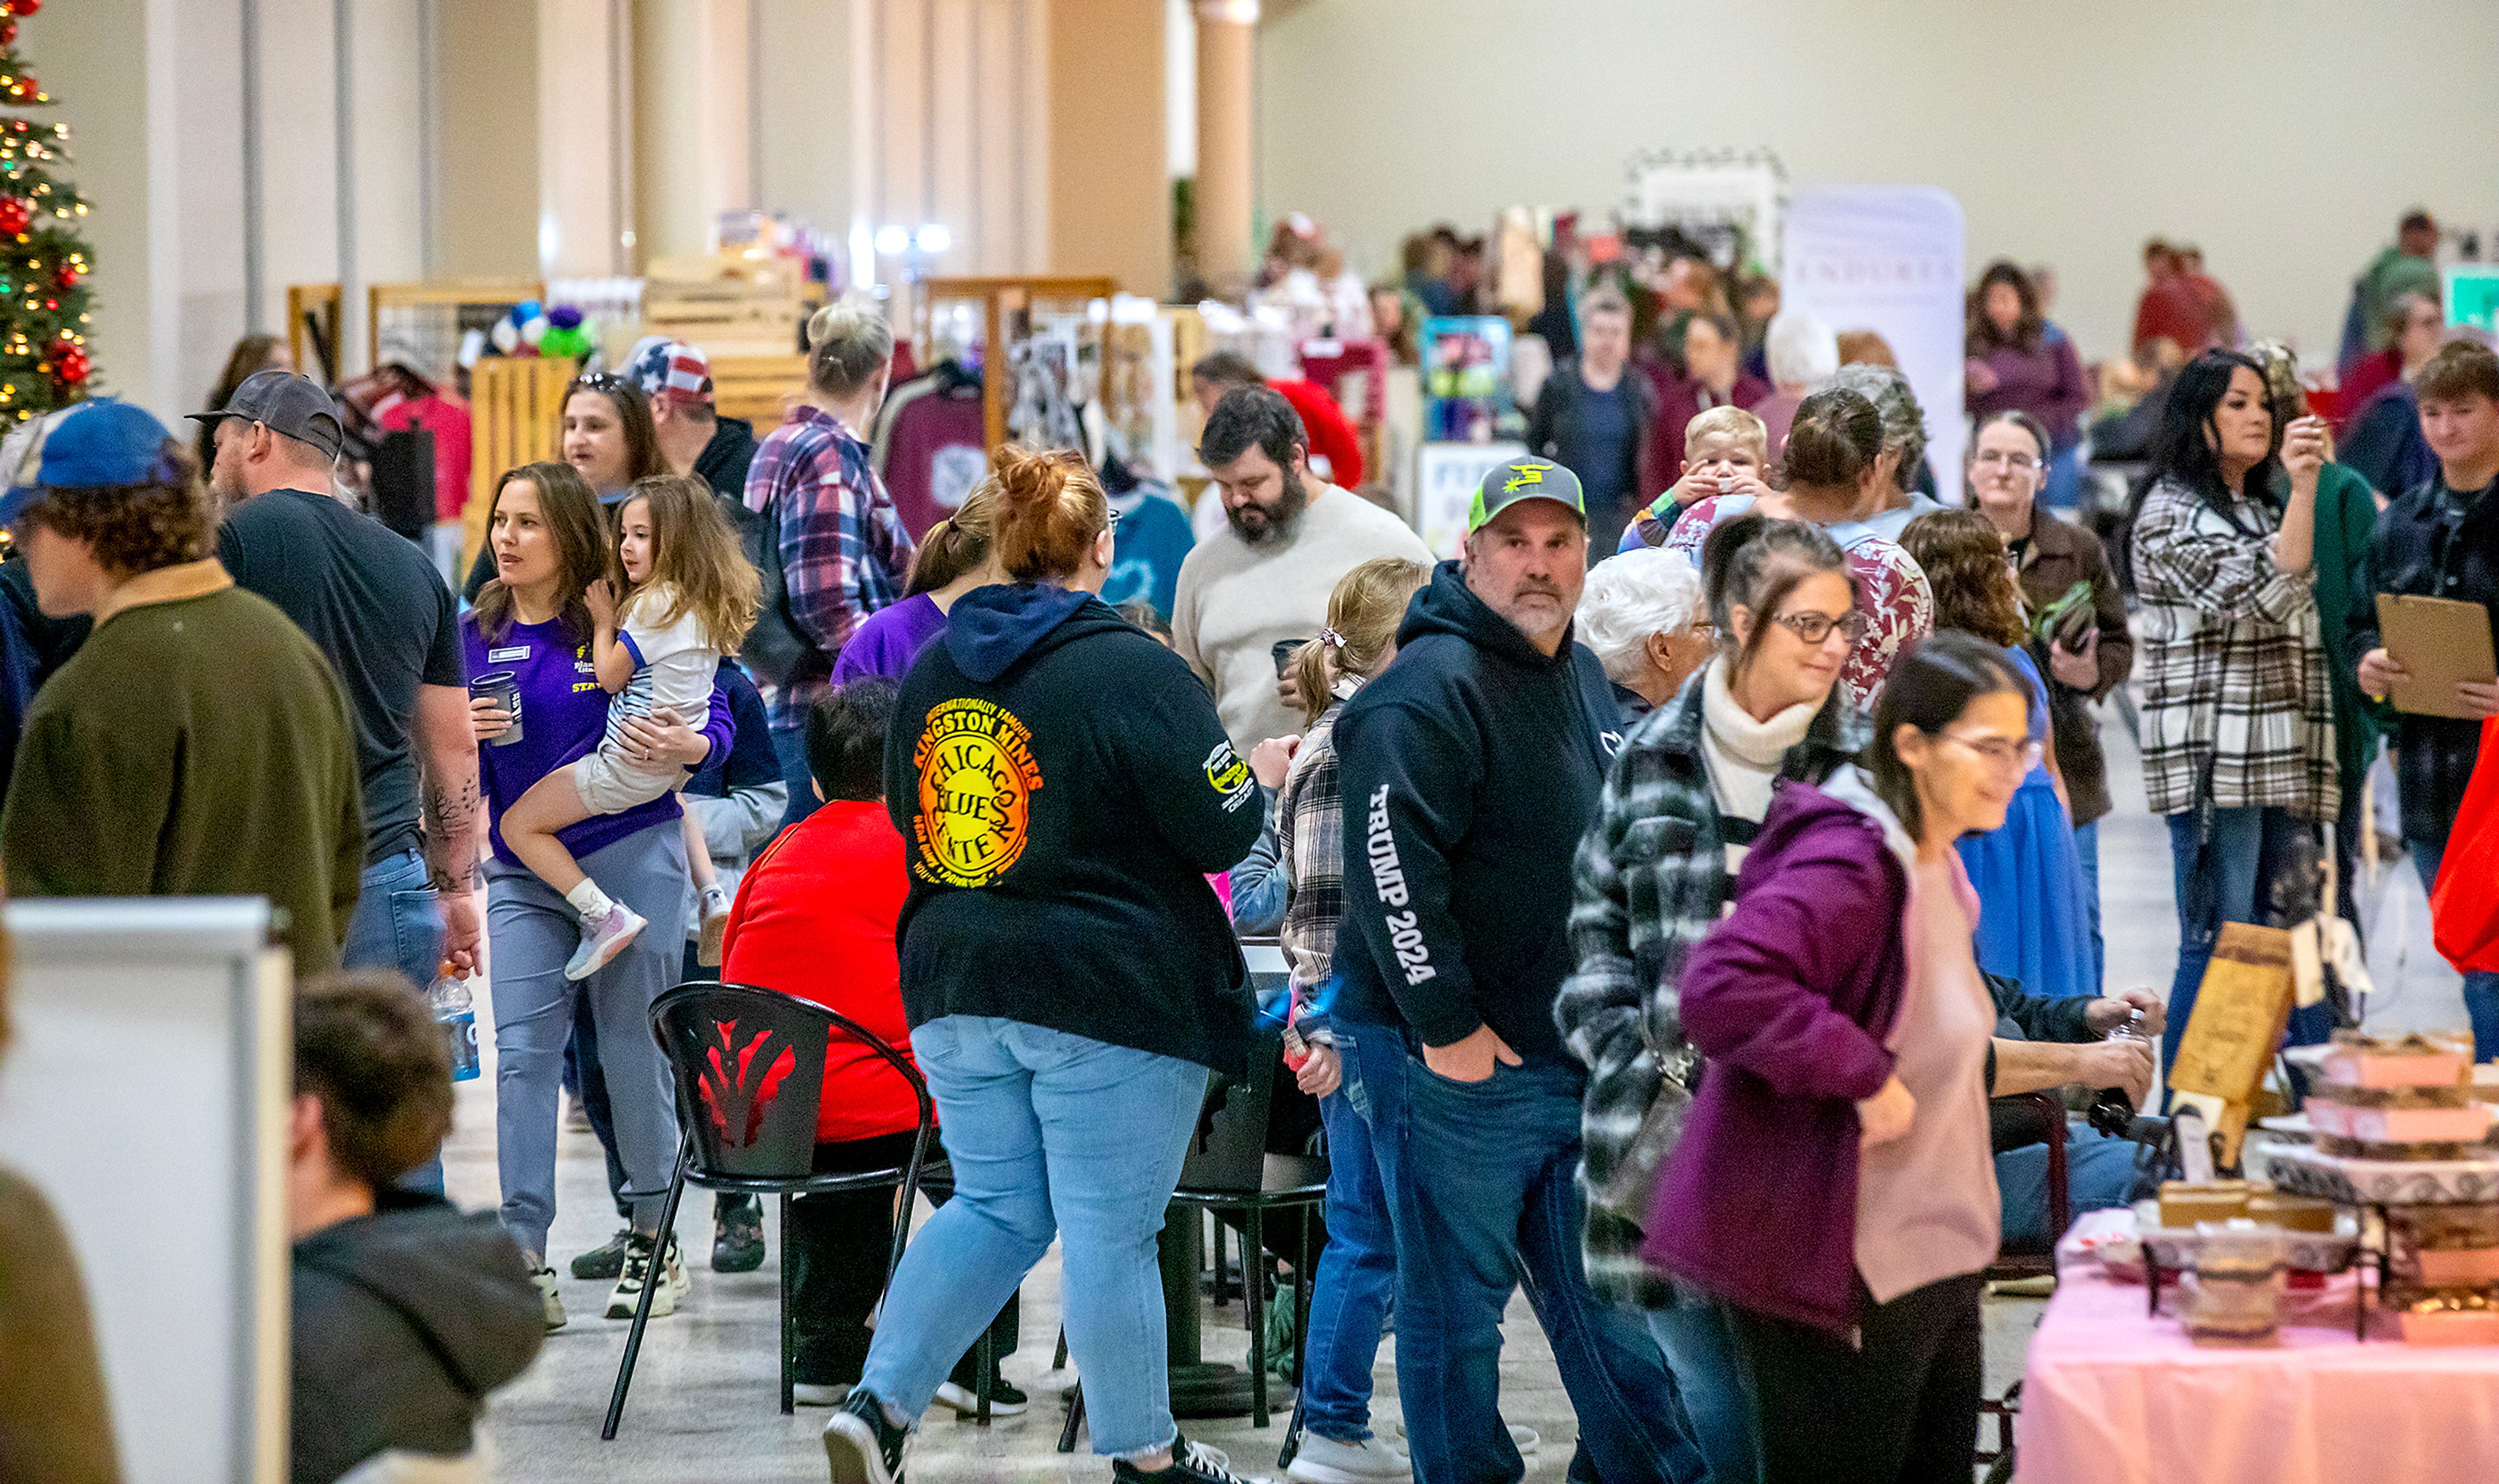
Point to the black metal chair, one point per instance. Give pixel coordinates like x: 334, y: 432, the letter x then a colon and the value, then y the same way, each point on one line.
x: 749, y: 1067
x: 1229, y: 1171
x: 2015, y: 1121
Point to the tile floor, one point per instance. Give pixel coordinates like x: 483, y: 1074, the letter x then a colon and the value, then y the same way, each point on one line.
x: 704, y: 1405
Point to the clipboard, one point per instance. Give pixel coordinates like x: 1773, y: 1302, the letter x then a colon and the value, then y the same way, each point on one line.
x: 2440, y: 641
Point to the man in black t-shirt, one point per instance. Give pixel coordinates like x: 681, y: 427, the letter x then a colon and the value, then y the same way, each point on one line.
x: 371, y: 602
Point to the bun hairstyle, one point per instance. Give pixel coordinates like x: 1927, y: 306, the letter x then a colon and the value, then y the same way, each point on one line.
x: 1050, y: 508
x: 1836, y: 437
x: 848, y: 343
x: 1362, y: 617
x: 958, y: 544
x: 1753, y: 563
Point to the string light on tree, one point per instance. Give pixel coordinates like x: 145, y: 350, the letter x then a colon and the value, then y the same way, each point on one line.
x: 45, y: 264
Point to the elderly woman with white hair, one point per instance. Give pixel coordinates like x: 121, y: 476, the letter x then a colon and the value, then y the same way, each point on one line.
x: 1643, y: 615
x: 1802, y: 353
x: 1896, y: 499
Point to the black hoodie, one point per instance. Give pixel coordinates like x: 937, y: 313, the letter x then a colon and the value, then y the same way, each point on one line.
x: 403, y: 1321
x: 1471, y: 767
x: 1064, y: 787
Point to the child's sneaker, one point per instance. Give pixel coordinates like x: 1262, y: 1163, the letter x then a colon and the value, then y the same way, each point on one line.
x: 603, y: 936
x: 715, y: 925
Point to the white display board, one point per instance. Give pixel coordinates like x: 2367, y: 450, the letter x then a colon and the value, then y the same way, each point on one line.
x: 145, y: 1095
x: 1706, y: 191
x: 1446, y: 476
x: 1892, y: 259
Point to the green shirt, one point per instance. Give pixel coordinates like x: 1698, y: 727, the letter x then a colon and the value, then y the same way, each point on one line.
x: 2346, y: 513
x: 197, y: 745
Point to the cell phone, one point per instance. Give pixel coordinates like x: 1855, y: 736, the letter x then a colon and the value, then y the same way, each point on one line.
x: 1283, y: 652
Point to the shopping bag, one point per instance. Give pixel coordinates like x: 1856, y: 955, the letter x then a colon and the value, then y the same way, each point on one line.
x: 2465, y: 907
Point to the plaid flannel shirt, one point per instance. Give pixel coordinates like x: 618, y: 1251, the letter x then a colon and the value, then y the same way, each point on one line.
x: 2234, y: 676
x: 844, y: 552
x: 1651, y: 878
x: 1310, y: 841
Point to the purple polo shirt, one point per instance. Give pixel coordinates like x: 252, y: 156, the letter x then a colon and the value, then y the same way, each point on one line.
x: 563, y: 713
x: 892, y: 638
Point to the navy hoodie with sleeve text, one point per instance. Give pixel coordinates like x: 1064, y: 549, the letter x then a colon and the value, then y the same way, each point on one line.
x: 1064, y: 787
x: 1471, y: 767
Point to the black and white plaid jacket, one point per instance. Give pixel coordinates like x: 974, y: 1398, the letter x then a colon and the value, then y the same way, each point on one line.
x: 1651, y: 880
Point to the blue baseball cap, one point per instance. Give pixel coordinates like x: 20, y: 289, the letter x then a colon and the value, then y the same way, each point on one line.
x: 100, y: 441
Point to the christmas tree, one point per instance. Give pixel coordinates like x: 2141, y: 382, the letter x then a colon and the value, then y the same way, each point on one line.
x: 43, y: 262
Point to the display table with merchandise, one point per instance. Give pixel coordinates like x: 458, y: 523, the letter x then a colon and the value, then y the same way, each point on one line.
x: 2114, y: 1395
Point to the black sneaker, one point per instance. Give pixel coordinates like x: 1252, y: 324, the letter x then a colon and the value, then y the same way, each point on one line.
x: 861, y: 1445
x: 603, y: 1263
x: 1191, y: 1464
x: 1005, y: 1400
x: 738, y: 1242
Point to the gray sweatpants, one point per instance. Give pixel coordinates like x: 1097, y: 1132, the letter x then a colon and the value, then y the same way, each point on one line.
x: 531, y: 931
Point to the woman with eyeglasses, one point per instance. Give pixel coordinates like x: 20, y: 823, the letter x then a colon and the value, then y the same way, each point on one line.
x: 1682, y: 804
x: 2077, y: 616
x: 1834, y: 1189
x: 1835, y: 466
x: 2034, y: 928
x: 2238, y: 709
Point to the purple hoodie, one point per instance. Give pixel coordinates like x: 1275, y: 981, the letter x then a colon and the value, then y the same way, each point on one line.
x: 1790, y: 998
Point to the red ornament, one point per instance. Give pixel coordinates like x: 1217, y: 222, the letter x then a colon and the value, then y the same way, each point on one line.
x: 24, y: 7
x: 16, y: 212
x: 65, y: 278
x: 70, y: 367
x: 24, y: 87
x: 8, y: 33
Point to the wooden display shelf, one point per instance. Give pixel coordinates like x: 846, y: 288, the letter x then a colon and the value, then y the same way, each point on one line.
x: 999, y: 296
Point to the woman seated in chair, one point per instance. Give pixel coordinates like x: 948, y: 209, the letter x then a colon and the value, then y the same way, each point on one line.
x: 814, y: 917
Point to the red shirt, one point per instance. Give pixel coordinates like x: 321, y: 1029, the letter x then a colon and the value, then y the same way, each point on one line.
x: 1331, y: 436
x: 815, y: 917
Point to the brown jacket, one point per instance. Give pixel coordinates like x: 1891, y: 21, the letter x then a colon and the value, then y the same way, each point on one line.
x: 2059, y: 555
x: 55, y: 1423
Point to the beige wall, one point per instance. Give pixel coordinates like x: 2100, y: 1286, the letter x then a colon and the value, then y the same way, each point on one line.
x: 1110, y: 172
x: 804, y: 72
x: 487, y: 52
x: 971, y: 153
x: 2285, y: 138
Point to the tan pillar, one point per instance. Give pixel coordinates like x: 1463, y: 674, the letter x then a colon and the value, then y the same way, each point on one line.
x: 1228, y: 35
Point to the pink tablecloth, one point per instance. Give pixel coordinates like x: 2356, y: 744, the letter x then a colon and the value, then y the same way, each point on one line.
x: 2116, y: 1396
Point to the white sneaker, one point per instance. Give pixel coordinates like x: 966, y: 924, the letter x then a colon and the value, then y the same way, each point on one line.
x: 602, y: 938
x: 1525, y: 1438
x: 1325, y: 1460
x: 628, y: 1294
x: 548, y: 1295
x: 809, y: 1394
x: 715, y: 926
x: 965, y: 1401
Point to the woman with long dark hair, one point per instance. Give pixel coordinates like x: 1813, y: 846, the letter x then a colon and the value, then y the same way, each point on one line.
x: 549, y: 541
x: 2238, y: 709
x: 1834, y: 1188
x: 2017, y: 362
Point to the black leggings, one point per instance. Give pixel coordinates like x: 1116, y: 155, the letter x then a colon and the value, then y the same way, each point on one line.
x: 1902, y: 1406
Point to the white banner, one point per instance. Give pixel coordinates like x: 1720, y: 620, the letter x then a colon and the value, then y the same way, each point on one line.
x: 1891, y: 259
x: 1446, y: 476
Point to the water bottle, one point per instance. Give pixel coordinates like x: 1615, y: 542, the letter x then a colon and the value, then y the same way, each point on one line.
x: 456, y: 1010
x: 2112, y: 1111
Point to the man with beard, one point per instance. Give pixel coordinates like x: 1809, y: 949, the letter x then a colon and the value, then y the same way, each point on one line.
x: 1265, y: 580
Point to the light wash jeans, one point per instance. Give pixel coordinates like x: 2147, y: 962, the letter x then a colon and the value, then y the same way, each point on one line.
x: 1047, y: 1133
x: 531, y: 931
x: 398, y: 925
x: 1357, y: 1272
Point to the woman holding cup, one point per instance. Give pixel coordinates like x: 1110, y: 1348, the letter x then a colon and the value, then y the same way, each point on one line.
x: 528, y: 643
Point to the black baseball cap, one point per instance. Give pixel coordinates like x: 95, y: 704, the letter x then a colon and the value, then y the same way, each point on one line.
x: 290, y: 404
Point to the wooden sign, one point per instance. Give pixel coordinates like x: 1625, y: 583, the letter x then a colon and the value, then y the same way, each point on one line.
x: 2240, y: 1011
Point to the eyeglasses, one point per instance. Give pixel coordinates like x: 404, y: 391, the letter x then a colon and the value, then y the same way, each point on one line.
x: 2002, y: 754
x: 1815, y: 628
x: 2019, y: 463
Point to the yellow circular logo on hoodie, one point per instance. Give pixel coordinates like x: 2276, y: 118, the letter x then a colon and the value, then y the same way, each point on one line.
x: 977, y: 775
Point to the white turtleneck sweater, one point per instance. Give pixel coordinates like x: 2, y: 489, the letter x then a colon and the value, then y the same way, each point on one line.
x: 1743, y: 755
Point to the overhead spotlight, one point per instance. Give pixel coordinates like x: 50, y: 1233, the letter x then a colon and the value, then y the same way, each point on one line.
x: 892, y: 242
x: 935, y: 239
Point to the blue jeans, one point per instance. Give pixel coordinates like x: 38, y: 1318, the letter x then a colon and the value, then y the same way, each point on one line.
x: 1047, y: 1133
x: 2098, y: 1170
x: 2087, y: 847
x: 2247, y: 849
x: 2480, y: 989
x: 1700, y: 1354
x: 789, y: 746
x: 398, y: 925
x: 1492, y: 1168
x: 1357, y: 1274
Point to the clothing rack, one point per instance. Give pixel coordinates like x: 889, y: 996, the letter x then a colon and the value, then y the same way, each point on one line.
x: 1004, y: 300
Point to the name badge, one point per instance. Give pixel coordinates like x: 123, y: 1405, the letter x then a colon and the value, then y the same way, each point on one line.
x: 507, y: 655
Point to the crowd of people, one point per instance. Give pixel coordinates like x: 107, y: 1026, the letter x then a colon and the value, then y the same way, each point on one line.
x: 1667, y: 882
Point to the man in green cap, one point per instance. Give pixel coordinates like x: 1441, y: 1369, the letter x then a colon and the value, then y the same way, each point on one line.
x: 1469, y: 768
